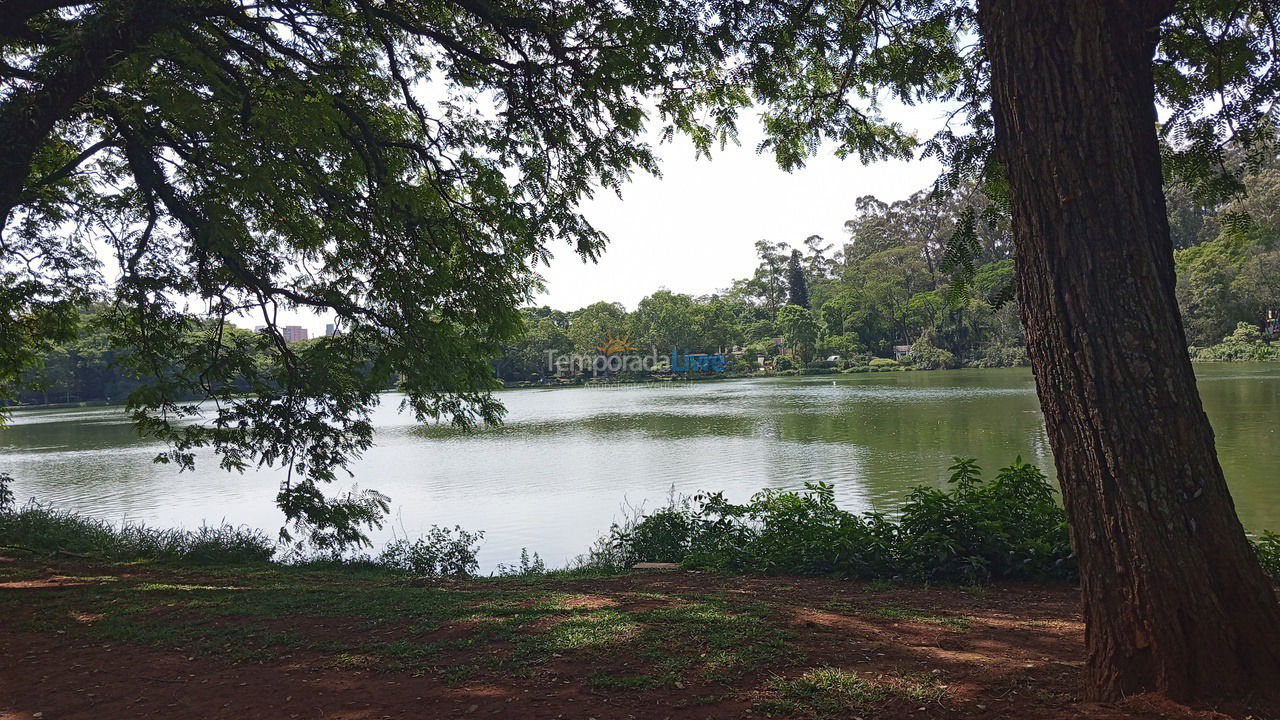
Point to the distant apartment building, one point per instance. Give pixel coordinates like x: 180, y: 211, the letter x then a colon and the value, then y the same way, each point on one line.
x: 293, y: 333
x: 330, y: 329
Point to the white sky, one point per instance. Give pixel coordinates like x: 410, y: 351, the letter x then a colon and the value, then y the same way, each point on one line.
x: 693, y: 230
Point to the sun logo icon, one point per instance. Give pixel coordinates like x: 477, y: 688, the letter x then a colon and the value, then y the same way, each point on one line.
x: 615, y: 345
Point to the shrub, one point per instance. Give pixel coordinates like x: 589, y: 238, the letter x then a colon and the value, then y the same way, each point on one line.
x: 1244, y: 344
x: 6, y: 493
x: 879, y: 362
x: 973, y: 531
x: 662, y: 536
x: 1009, y: 528
x: 1268, y: 548
x: 529, y: 565
x: 441, y: 551
x: 782, y: 362
x: 1001, y: 355
x: 924, y: 356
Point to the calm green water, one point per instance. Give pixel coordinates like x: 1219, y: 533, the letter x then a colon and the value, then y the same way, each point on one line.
x: 567, y: 461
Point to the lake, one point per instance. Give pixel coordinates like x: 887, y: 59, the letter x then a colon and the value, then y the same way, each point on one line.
x: 569, y: 461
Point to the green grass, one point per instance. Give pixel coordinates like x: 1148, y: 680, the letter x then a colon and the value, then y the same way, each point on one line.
x: 591, y: 631
x: 42, y: 530
x: 385, y: 622
x: 381, y: 621
x: 834, y: 692
x: 895, y: 612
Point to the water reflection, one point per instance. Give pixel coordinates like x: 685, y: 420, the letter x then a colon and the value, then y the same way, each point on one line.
x: 557, y: 473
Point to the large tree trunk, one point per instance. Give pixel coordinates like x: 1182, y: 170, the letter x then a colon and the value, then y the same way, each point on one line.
x: 1174, y: 599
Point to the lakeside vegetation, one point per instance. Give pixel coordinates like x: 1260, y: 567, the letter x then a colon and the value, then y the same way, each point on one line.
x: 975, y: 531
x: 751, y: 634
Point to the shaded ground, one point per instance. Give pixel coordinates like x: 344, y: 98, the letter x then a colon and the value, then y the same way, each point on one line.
x: 92, y: 641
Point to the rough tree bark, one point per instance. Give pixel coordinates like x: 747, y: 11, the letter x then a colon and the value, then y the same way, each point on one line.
x: 1174, y: 599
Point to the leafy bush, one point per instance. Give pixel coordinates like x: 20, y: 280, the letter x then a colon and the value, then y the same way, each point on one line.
x: 1000, y: 355
x: 1244, y: 344
x: 782, y: 362
x: 529, y: 565
x: 44, y: 530
x: 663, y: 536
x: 6, y: 493
x: 441, y: 551
x: 925, y: 356
x: 1007, y: 528
x: 1268, y: 548
x: 879, y: 362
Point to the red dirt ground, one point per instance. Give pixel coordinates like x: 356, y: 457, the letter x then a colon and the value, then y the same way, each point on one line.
x: 1019, y: 657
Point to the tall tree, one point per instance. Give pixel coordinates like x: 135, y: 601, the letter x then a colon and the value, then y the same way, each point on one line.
x: 797, y: 286
x: 1174, y: 599
x: 799, y: 330
x: 769, y: 283
x: 818, y: 262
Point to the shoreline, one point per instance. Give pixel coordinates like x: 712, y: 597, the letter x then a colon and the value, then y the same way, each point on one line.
x: 528, y: 385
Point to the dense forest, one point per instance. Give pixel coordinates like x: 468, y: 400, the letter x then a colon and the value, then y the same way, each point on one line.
x: 886, y: 284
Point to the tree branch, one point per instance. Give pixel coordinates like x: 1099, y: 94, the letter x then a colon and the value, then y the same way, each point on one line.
x: 28, y: 115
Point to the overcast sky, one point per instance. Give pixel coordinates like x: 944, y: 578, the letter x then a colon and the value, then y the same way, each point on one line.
x: 693, y: 229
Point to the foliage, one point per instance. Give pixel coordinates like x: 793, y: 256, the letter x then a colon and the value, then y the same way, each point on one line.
x: 799, y: 329
x: 6, y: 493
x: 441, y: 551
x: 45, y: 530
x: 1228, y: 263
x: 797, y: 286
x: 888, y: 284
x: 662, y: 536
x: 529, y: 565
x: 1010, y: 527
x: 924, y: 356
x: 784, y: 363
x: 1244, y: 344
x: 1267, y: 546
x: 405, y: 166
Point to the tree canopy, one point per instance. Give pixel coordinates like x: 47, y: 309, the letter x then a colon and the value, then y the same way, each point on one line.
x: 405, y: 166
